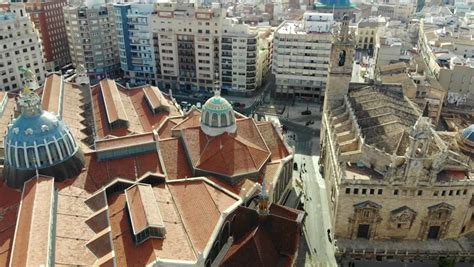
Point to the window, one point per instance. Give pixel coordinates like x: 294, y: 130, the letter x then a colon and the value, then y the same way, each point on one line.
x: 399, y: 225
x: 395, y: 192
x: 464, y: 192
x: 420, y: 192
x: 372, y: 191
x: 348, y: 190
x: 380, y: 191
x: 364, y: 191
x: 443, y: 193
x: 435, y: 193
x: 356, y: 191
x: 450, y: 192
x: 458, y: 192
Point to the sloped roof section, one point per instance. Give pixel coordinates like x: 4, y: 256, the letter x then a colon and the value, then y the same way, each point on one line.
x: 112, y: 101
x: 32, y: 243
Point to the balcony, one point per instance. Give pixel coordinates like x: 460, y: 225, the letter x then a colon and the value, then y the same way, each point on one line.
x: 226, y: 47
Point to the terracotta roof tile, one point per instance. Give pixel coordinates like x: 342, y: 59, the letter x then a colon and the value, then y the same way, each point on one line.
x: 174, y: 159
x: 273, y: 141
x: 146, y: 117
x: 9, y: 204
x: 52, y: 94
x: 267, y: 241
x: 143, y: 208
x: 224, y: 154
x: 125, y: 141
x: 255, y: 249
x: 74, y: 114
x: 102, y: 128
x: 31, y: 245
x: 99, y: 173
x: 192, y: 119
x: 174, y: 246
x: 165, y: 129
x: 247, y: 129
x: 198, y: 209
x: 154, y: 97
x: 113, y: 102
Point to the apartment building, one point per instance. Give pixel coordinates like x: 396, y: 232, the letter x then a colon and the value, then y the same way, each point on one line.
x: 238, y: 57
x: 135, y: 42
x: 48, y: 18
x: 184, y: 46
x: 92, y: 39
x: 20, y: 47
x: 448, y: 55
x: 367, y: 32
x: 301, y: 51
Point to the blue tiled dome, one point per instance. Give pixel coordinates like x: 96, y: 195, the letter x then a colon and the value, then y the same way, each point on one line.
x: 38, y: 140
x: 336, y: 3
x: 468, y: 133
x: 217, y: 116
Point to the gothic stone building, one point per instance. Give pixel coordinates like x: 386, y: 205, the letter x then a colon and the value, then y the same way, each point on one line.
x: 389, y: 174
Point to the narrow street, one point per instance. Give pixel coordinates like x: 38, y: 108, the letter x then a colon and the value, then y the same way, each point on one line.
x: 320, y: 250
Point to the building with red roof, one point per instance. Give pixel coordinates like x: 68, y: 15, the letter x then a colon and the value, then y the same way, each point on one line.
x: 134, y: 181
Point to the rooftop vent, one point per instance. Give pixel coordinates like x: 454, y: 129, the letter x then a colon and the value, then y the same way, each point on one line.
x: 145, y: 215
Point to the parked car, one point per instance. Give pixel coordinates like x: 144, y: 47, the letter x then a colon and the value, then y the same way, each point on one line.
x: 306, y: 112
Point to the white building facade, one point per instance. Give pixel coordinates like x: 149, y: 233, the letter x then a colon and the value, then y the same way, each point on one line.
x: 92, y: 39
x: 301, y: 51
x: 20, y: 47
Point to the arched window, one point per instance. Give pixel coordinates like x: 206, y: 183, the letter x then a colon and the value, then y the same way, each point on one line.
x: 342, y: 58
x: 206, y: 119
x: 21, y: 157
x: 31, y: 157
x: 43, y: 157
x: 54, y: 152
x: 231, y: 118
x: 215, y: 120
x: 223, y: 120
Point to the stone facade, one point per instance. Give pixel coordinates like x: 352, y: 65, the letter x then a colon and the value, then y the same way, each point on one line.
x: 389, y: 174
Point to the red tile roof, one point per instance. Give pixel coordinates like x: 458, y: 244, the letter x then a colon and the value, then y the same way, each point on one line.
x: 192, y: 119
x: 125, y: 141
x: 99, y: 173
x: 199, y: 208
x: 52, y: 94
x: 273, y: 140
x: 102, y: 127
x: 112, y: 101
x: 141, y: 118
x: 143, y: 208
x: 33, y: 232
x: 9, y: 203
x: 164, y: 130
x: 224, y: 154
x: 154, y: 97
x: 190, y: 210
x: 174, y: 159
x: 270, y: 240
x: 74, y: 115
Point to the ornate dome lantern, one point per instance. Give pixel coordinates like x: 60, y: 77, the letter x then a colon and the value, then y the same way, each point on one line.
x: 217, y: 116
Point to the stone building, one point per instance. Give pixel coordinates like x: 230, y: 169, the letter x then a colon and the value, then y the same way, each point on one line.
x: 390, y: 175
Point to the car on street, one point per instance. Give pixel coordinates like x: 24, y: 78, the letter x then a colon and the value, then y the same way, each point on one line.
x: 306, y: 112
